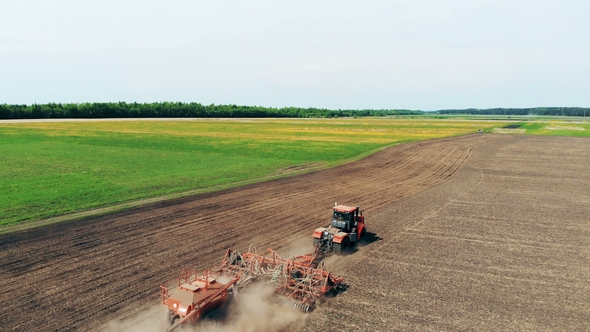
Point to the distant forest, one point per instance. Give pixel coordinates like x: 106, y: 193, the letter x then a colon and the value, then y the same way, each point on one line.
x: 178, y: 110
x: 563, y: 111
x: 196, y: 110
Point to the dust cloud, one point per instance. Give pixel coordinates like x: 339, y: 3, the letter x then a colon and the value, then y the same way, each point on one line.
x: 300, y: 249
x: 151, y: 320
x: 252, y: 311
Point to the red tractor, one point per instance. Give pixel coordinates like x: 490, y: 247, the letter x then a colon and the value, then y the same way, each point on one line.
x: 347, y: 227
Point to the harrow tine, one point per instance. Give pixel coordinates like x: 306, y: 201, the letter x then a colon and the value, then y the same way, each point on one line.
x: 297, y: 305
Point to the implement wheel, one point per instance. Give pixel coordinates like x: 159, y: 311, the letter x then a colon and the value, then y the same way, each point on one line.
x: 172, y: 317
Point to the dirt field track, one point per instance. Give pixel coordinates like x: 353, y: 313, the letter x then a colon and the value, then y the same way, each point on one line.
x: 481, y: 232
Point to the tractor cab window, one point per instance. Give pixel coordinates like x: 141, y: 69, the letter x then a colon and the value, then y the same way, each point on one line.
x: 341, y: 220
x: 341, y: 216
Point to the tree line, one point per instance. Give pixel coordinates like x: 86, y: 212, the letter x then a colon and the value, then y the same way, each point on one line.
x: 178, y: 110
x: 555, y: 111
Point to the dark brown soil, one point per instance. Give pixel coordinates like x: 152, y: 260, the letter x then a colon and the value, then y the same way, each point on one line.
x: 481, y: 232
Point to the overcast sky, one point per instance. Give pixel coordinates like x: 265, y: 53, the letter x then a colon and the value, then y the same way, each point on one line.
x: 412, y: 54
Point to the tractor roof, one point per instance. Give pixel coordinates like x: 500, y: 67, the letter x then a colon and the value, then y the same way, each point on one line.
x: 344, y: 208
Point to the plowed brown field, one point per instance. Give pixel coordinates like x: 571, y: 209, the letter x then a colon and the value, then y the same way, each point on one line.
x: 480, y: 232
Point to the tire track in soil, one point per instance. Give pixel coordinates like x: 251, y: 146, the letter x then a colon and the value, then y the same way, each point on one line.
x: 76, y: 275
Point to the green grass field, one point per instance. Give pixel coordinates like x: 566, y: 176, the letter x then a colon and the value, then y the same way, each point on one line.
x: 55, y: 168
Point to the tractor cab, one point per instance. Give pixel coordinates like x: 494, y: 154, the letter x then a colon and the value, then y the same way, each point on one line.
x: 345, y: 217
x: 348, y: 219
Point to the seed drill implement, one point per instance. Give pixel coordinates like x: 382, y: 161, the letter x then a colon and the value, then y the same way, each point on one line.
x: 298, y: 281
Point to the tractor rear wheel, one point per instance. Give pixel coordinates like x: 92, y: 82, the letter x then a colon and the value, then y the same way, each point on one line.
x: 317, y: 243
x: 363, y: 234
x: 341, y: 248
